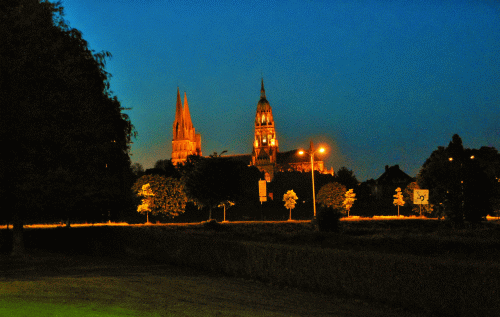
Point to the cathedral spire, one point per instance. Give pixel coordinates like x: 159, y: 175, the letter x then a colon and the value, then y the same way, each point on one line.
x: 262, y: 91
x: 178, y: 106
x: 187, y: 115
x: 185, y: 140
x: 178, y: 122
x: 264, y: 154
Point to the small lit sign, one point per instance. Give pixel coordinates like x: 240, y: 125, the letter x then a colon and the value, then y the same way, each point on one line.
x: 262, y: 188
x: 421, y: 196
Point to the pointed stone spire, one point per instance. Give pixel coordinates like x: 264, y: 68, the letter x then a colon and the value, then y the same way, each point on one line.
x: 262, y: 91
x: 178, y: 122
x: 187, y: 116
x: 185, y: 141
x: 264, y: 154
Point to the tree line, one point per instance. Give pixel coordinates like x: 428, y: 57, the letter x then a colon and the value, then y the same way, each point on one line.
x: 66, y: 139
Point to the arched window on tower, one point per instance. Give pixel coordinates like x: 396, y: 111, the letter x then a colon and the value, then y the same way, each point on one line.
x: 263, y: 119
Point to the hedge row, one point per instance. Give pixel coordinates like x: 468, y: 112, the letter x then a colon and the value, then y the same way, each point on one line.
x: 441, y: 286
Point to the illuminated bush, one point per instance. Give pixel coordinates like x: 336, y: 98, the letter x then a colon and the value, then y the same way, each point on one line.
x: 332, y: 195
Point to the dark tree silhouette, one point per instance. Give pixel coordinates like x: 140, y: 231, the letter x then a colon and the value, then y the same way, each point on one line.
x: 165, y: 168
x: 214, y: 180
x: 137, y: 170
x: 65, y: 140
x: 346, y: 177
x: 461, y: 181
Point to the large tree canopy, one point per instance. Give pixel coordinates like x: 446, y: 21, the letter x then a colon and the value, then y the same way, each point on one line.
x: 65, y: 140
x: 214, y: 180
x: 346, y: 177
x: 168, y: 197
x: 332, y: 195
x: 463, y: 182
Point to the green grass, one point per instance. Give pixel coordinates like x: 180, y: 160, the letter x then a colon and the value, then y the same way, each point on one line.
x: 134, y: 294
x: 48, y: 284
x: 62, y: 286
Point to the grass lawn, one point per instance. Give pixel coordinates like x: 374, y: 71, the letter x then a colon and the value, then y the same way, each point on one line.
x: 88, y: 282
x: 414, y: 236
x: 48, y: 284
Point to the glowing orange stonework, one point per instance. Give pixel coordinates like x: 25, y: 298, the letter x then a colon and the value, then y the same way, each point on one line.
x: 185, y: 141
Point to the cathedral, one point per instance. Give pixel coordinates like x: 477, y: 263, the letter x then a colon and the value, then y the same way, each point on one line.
x: 265, y: 147
x: 265, y: 152
x: 185, y: 141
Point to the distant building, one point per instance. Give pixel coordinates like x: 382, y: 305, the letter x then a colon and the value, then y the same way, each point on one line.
x: 292, y: 161
x: 265, y: 145
x: 265, y: 152
x: 392, y: 178
x: 185, y: 140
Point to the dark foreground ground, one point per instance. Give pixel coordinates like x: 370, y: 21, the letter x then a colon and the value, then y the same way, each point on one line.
x: 51, y: 284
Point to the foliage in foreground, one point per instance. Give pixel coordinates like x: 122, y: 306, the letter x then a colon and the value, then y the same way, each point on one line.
x: 332, y: 195
x: 290, y: 199
x: 65, y: 139
x: 168, y: 198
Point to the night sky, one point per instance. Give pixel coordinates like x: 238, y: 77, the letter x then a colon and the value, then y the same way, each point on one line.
x: 379, y: 82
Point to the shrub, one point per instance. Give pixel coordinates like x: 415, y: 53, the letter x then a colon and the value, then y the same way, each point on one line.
x: 332, y: 195
x: 328, y: 219
x: 212, y: 224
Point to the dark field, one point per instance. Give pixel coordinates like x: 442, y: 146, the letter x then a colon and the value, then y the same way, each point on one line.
x: 113, y: 270
x: 65, y: 272
x: 422, y: 237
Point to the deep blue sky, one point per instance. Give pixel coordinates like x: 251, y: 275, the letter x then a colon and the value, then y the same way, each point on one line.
x: 380, y: 82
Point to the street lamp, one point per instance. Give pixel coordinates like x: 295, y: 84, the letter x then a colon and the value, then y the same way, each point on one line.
x: 311, y: 152
x: 460, y: 173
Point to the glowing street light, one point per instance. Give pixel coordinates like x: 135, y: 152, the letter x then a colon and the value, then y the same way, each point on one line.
x: 311, y: 152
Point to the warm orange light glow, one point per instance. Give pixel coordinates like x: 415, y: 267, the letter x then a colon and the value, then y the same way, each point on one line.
x: 301, y: 152
x: 351, y: 218
x: 322, y: 150
x: 451, y: 159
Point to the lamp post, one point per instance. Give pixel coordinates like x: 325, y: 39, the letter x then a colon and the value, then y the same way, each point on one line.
x: 460, y: 173
x: 311, y: 152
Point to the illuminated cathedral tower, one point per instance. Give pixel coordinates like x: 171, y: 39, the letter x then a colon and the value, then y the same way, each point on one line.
x: 185, y: 141
x: 265, y: 148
